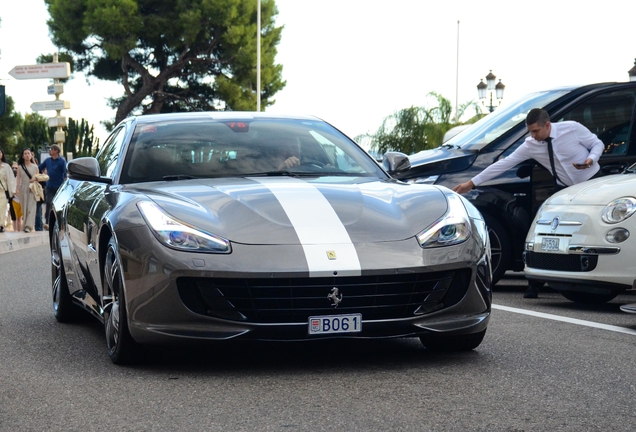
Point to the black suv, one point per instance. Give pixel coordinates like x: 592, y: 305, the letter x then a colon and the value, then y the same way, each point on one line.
x: 510, y: 201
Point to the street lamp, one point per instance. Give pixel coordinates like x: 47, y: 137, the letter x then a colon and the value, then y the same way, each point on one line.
x: 258, y: 55
x: 489, y: 87
x: 632, y: 72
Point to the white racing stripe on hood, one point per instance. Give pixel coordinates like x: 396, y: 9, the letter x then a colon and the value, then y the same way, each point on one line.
x: 318, y: 227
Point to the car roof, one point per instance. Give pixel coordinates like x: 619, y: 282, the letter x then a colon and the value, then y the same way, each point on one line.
x: 587, y: 87
x: 217, y: 115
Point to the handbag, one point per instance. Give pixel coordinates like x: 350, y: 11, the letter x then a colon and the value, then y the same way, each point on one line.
x: 16, y: 208
x: 6, y: 192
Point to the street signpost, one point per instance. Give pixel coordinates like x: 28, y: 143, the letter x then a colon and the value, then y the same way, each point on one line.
x: 55, y: 122
x: 55, y: 89
x: 56, y: 70
x: 54, y: 105
x: 45, y: 70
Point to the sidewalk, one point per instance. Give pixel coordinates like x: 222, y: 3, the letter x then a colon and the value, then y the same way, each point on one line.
x: 10, y: 241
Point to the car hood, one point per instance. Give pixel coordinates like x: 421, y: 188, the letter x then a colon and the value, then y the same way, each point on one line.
x: 279, y: 210
x: 598, y: 191
x: 440, y: 160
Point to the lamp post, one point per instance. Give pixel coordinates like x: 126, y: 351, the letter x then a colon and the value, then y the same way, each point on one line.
x: 489, y: 87
x: 632, y: 72
x: 258, y: 55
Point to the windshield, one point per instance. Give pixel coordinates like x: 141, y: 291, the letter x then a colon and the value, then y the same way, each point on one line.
x: 502, y: 120
x: 174, y: 149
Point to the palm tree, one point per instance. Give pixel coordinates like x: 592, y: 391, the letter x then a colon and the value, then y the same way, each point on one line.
x: 413, y: 129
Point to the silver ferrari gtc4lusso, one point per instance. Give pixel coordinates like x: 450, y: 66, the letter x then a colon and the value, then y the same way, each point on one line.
x: 227, y: 225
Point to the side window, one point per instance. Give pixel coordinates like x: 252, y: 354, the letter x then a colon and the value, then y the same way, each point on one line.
x: 609, y: 116
x: 513, y: 147
x: 109, y: 154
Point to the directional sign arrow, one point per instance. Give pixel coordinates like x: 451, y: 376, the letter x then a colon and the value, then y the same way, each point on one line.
x: 45, y: 70
x: 51, y: 105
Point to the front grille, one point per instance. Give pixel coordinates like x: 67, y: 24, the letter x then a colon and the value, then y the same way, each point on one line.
x: 293, y: 300
x: 560, y: 262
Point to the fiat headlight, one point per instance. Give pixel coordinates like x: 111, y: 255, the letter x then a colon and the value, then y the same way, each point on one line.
x: 452, y: 228
x: 178, y: 235
x: 619, y: 210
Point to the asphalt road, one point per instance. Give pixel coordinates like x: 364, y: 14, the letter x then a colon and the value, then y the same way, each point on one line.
x: 538, y: 369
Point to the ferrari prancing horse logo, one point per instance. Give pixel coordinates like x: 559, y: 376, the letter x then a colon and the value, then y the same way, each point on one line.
x: 335, y: 297
x: 331, y: 255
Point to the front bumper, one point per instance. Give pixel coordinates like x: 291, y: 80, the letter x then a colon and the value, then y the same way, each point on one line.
x: 567, y: 244
x: 177, y: 296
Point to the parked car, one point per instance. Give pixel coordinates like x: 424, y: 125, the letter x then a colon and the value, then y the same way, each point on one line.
x: 510, y: 201
x: 581, y: 241
x: 228, y: 225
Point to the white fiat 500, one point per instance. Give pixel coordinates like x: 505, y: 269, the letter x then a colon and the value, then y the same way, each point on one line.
x: 582, y: 241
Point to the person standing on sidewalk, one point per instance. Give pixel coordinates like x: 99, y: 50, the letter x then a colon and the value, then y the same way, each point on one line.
x: 26, y: 174
x: 55, y: 167
x: 38, y: 207
x: 14, y: 207
x: 7, y: 189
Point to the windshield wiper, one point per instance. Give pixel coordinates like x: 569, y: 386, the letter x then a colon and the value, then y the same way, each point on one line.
x: 280, y: 173
x: 179, y: 177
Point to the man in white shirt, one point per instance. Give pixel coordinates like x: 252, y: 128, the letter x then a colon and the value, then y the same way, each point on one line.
x: 576, y: 152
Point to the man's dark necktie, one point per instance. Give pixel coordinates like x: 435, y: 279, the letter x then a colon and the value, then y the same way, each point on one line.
x: 548, y: 140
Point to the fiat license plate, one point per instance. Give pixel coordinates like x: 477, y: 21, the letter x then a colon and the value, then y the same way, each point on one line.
x: 550, y: 244
x: 329, y: 324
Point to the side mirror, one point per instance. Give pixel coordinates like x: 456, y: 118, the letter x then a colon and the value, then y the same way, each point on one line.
x: 395, y: 162
x: 86, y: 168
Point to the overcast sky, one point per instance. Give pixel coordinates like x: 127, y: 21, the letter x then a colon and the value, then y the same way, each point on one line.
x: 354, y: 62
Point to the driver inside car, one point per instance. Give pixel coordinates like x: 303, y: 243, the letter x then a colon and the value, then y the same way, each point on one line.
x: 287, y: 155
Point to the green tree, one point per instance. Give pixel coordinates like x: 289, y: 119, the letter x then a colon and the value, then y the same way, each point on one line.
x: 413, y: 129
x: 172, y: 55
x: 35, y: 132
x: 80, y: 138
x: 10, y: 125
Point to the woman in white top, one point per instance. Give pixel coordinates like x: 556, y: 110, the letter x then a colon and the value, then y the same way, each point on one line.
x: 7, y: 188
x: 27, y: 199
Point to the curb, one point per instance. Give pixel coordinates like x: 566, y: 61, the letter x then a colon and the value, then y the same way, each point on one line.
x: 11, y: 241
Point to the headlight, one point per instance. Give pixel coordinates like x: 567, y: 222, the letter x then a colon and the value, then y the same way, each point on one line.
x: 452, y: 228
x: 178, y: 235
x: 619, y: 210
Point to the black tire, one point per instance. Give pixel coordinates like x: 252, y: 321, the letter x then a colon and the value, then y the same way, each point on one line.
x: 588, y: 298
x: 453, y: 343
x: 64, y: 310
x: 122, y: 348
x: 500, y: 248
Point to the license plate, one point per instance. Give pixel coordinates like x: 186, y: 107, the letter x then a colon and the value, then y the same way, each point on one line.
x: 330, y: 324
x: 550, y: 244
